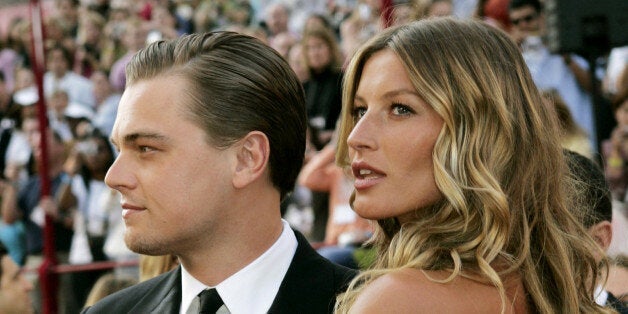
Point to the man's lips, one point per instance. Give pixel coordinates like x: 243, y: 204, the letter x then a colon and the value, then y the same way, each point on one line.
x: 128, y: 209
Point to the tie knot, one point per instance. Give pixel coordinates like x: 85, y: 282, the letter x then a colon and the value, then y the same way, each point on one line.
x: 210, y: 301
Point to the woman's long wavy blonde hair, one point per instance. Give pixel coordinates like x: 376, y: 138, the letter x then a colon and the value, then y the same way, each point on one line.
x: 498, y: 164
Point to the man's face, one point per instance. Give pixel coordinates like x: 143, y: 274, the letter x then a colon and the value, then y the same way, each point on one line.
x: 176, y: 188
x: 525, y: 20
x: 14, y: 289
x: 57, y: 63
x: 277, y: 20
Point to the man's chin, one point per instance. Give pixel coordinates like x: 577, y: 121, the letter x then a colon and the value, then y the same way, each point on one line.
x: 142, y: 246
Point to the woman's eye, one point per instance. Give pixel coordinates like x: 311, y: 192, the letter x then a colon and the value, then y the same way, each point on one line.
x: 399, y: 109
x: 145, y: 149
x: 358, y: 113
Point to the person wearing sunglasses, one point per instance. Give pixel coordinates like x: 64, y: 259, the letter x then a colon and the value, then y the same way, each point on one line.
x: 568, y: 73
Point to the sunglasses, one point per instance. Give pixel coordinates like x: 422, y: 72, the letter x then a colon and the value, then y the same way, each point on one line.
x: 528, y: 18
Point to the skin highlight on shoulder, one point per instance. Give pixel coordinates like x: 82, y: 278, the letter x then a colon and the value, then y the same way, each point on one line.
x: 419, y: 291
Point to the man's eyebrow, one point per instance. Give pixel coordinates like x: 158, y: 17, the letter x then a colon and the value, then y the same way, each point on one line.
x: 131, y: 138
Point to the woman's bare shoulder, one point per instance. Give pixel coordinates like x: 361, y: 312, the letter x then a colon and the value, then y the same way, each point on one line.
x: 418, y: 291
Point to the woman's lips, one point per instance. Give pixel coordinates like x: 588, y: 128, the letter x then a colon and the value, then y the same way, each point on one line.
x: 365, y: 175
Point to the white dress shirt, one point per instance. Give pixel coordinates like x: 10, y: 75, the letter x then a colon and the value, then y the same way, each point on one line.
x: 252, y: 289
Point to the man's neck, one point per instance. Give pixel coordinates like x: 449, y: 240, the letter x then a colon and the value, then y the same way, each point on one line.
x: 230, y: 256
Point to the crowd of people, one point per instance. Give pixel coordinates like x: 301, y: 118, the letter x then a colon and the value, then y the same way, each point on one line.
x: 465, y: 201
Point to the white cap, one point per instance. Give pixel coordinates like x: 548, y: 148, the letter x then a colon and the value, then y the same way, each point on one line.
x: 26, y: 96
x: 77, y: 111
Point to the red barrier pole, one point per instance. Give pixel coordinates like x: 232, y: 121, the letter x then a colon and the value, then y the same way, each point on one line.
x: 387, y: 10
x: 47, y: 278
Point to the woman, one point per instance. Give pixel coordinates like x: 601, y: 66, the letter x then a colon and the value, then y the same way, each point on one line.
x: 455, y: 156
x: 323, y: 88
x: 87, y: 164
x: 615, y: 149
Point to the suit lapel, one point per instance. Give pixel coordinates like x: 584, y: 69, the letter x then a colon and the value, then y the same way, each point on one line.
x: 307, y: 284
x: 164, y: 297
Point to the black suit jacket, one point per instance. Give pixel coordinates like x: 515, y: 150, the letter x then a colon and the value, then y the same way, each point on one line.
x: 310, y: 286
x: 616, y: 304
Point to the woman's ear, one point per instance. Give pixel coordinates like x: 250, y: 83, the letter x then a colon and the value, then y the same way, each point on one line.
x: 252, y: 158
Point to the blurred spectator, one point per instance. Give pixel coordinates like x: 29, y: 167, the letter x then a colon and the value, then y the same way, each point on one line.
x: 106, y: 102
x: 317, y: 20
x: 18, y: 150
x: 345, y: 231
x: 363, y: 22
x: 433, y: 8
x: 90, y: 43
x: 162, y: 25
x: 87, y: 164
x: 113, y: 48
x: 339, y: 10
x: 155, y: 265
x: 68, y: 13
x: 283, y: 42
x: 60, y: 77
x: 5, y: 96
x: 23, y: 202
x: 9, y: 60
x: 568, y: 74
x: 618, y: 277
x: 14, y: 287
x: 57, y: 34
x: 276, y: 19
x: 108, y: 284
x: 24, y: 78
x: 57, y: 104
x: 617, y: 67
x: 615, y: 152
x: 323, y: 89
x: 464, y: 8
x: 211, y: 15
x: 404, y: 11
x: 297, y: 62
x: 19, y: 39
x: 573, y: 138
x: 494, y: 12
x: 133, y: 39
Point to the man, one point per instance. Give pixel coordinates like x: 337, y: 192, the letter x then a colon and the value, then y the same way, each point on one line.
x: 596, y: 200
x: 14, y: 287
x: 211, y: 136
x: 568, y: 74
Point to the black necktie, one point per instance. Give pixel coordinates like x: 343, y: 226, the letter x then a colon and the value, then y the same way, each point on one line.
x: 210, y: 301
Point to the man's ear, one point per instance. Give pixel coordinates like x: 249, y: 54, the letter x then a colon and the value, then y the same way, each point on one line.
x: 602, y: 233
x: 253, y: 152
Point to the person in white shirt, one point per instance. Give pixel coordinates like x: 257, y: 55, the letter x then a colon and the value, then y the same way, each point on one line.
x: 60, y: 77
x: 568, y: 74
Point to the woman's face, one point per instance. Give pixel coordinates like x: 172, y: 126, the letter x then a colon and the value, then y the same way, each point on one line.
x: 98, y: 155
x: 390, y: 147
x: 621, y: 114
x: 318, y: 53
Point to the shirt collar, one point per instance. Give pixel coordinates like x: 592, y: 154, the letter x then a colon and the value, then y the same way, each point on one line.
x: 253, y: 288
x: 601, y: 296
